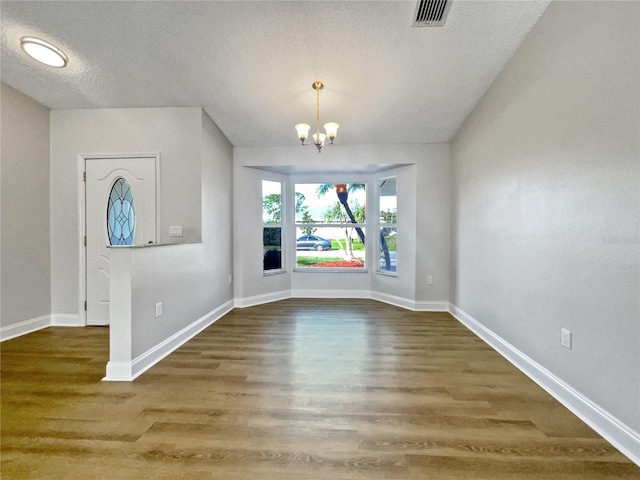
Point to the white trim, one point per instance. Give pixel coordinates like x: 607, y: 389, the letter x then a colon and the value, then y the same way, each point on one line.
x: 415, y: 305
x: 68, y: 320
x: 126, y: 372
x: 82, y: 230
x: 24, y: 327
x: 613, y: 430
x: 386, y: 273
x: 418, y: 306
x: 260, y: 299
x: 340, y: 270
x: 279, y: 271
x: 330, y: 294
x: 394, y: 300
x: 119, y: 372
x: 428, y: 306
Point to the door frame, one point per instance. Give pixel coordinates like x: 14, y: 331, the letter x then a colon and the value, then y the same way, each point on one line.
x: 82, y: 219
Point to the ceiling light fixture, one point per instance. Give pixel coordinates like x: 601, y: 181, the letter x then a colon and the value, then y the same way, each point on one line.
x: 318, y: 138
x: 44, y: 52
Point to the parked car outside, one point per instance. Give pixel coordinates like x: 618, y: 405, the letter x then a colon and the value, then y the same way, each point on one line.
x: 312, y: 242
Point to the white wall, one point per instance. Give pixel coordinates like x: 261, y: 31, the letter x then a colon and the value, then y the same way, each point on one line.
x: 217, y: 223
x: 433, y: 226
x: 191, y: 281
x: 546, y: 211
x: 427, y: 203
x: 25, y: 261
x: 173, y: 132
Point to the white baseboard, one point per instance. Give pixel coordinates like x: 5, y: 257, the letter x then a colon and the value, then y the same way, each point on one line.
x: 126, y: 372
x: 38, y: 323
x: 260, y: 299
x: 613, y: 430
x: 330, y: 293
x: 119, y: 372
x: 68, y: 320
x: 427, y: 306
x: 418, y: 306
x: 394, y: 300
x: 24, y: 327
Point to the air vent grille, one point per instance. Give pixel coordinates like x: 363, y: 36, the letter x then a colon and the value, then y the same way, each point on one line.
x: 431, y: 13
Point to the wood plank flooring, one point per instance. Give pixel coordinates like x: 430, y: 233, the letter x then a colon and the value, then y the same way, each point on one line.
x: 298, y: 389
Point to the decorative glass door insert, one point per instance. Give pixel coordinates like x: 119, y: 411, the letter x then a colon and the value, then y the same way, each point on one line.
x: 121, y: 214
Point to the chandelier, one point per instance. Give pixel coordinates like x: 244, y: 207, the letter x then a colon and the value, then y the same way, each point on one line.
x: 318, y: 138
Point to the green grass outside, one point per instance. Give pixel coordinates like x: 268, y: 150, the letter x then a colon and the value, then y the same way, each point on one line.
x: 391, y: 243
x: 357, y: 244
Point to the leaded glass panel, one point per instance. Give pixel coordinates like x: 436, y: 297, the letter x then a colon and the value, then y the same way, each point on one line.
x: 121, y: 214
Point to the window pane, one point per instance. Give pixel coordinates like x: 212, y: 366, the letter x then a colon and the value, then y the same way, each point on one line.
x: 330, y: 247
x: 387, y: 249
x: 121, y: 214
x: 330, y: 202
x: 388, y: 200
x: 271, y: 202
x: 272, y: 248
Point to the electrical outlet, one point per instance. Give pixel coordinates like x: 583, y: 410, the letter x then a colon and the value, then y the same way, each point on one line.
x: 175, y: 231
x: 565, y: 338
x: 158, y: 309
x: 429, y: 280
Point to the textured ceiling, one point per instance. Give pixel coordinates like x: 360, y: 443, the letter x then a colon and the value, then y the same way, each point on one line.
x: 251, y: 64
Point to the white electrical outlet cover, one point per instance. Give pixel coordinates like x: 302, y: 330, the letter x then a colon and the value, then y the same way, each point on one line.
x: 565, y: 338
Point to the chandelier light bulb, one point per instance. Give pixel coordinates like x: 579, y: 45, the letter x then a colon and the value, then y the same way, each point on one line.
x: 318, y: 140
x: 303, y: 131
x: 332, y: 130
x: 322, y: 136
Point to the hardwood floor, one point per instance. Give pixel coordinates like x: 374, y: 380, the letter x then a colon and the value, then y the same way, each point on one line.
x: 299, y: 389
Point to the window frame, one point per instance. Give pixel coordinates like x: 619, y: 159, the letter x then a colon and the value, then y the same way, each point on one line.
x: 274, y: 226
x: 381, y: 225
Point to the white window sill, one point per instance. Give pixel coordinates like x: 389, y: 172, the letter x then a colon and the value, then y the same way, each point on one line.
x: 268, y: 273
x: 387, y: 273
x: 330, y: 270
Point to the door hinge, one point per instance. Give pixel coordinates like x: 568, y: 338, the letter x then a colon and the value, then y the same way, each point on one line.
x: 85, y: 305
x: 84, y: 176
x: 85, y: 240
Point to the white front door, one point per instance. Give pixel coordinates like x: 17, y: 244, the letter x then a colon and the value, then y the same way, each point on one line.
x: 120, y: 210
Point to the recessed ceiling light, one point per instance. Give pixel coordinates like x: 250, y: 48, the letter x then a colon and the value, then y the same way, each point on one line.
x: 44, y: 52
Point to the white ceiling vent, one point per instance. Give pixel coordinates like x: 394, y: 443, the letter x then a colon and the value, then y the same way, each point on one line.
x: 431, y: 13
